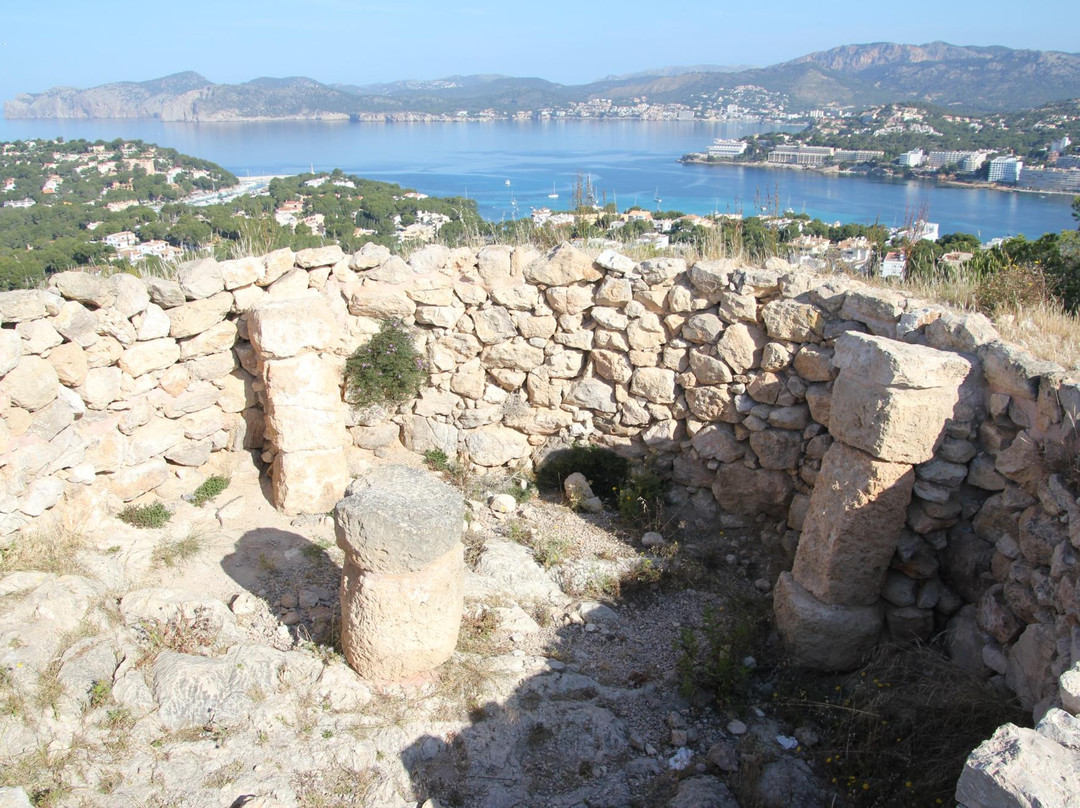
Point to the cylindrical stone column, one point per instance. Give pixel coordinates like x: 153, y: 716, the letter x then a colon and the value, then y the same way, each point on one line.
x: 402, y: 587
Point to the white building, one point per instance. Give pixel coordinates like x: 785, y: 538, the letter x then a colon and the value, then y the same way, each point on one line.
x: 722, y: 147
x: 1060, y: 145
x: 912, y: 159
x: 893, y: 265
x: 1006, y: 170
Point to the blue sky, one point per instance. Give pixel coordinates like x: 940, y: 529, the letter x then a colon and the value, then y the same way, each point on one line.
x: 82, y: 44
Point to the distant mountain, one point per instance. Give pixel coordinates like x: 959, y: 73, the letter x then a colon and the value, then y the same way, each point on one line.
x: 988, y: 78
x: 677, y: 70
x: 976, y: 79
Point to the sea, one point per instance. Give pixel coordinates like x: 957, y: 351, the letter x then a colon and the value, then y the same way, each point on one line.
x: 511, y: 168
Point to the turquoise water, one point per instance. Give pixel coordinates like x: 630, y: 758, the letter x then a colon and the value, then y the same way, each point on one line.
x: 629, y: 162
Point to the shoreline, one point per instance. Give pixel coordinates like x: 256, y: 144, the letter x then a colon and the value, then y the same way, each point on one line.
x: 942, y: 183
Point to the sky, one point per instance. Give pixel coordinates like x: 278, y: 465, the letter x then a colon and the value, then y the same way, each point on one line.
x: 83, y: 44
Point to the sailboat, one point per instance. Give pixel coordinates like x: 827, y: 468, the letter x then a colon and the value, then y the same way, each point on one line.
x: 554, y: 194
x: 656, y: 196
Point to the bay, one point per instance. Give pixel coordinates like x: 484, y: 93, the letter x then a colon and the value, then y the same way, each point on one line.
x: 627, y: 162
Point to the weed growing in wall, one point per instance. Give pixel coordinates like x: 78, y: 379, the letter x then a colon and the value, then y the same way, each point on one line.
x: 388, y: 370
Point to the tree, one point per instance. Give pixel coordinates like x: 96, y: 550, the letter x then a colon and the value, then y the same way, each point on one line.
x: 1076, y: 210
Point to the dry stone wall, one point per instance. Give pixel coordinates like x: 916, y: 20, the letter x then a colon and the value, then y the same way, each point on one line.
x: 761, y: 392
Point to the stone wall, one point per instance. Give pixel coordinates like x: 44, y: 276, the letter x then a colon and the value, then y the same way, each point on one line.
x: 736, y: 382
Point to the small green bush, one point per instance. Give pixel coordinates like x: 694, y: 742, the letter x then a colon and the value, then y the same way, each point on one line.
x: 388, y: 370
x: 436, y: 460
x: 209, y: 489
x: 145, y: 516
x: 641, y: 498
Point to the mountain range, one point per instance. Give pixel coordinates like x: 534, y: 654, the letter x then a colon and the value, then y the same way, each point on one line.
x: 967, y: 78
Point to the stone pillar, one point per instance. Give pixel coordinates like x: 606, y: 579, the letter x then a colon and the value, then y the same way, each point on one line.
x: 402, y: 587
x: 305, y: 410
x: 890, y: 405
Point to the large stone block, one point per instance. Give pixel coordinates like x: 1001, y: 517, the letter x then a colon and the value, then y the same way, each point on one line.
x: 562, y: 266
x: 402, y: 586
x: 283, y: 328
x: 852, y: 524
x: 1019, y: 767
x: 195, y: 317
x: 823, y: 636
x: 309, y: 482
x: 752, y: 491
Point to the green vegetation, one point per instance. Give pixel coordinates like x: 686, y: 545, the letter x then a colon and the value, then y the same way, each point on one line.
x: 387, y: 370
x: 711, y: 664
x: 64, y: 227
x: 170, y: 553
x: 213, y: 486
x: 154, y: 515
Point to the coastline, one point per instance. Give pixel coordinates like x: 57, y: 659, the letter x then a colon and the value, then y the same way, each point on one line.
x: 943, y: 183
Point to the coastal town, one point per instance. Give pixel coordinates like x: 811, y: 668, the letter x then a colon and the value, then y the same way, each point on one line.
x: 915, y: 142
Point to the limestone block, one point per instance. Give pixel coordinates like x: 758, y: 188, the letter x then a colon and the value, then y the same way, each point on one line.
x: 152, y: 323
x: 31, y: 384
x: 200, y: 279
x: 131, y: 295
x: 1028, y: 673
x: 113, y: 324
x: 750, y: 492
x: 419, y: 434
x: 741, y: 346
x: 10, y: 350
x: 38, y: 336
x: 563, y: 266
x: 1019, y: 767
x: 795, y: 322
x: 717, y: 442
x: 889, y: 363
x: 319, y: 256
x: 494, y: 325
x: 154, y: 438
x: 430, y: 258
x: 21, y: 305
x: 195, y: 317
x: 655, y: 384
x: 734, y: 308
x: 101, y: 387
x: 612, y: 365
x: 309, y: 482
x: 144, y: 357
x: 83, y: 287
x: 165, y: 293
x: 69, y: 362
x: 614, y: 292
x: 77, y: 323
x: 495, y: 445
x: 513, y: 355
x: 777, y: 448
x: 403, y: 579
x: 569, y: 299
x: 646, y: 332
x: 713, y: 404
x: 381, y: 301
x: 660, y: 271
x: 369, y: 256
x: 815, y: 363
x: 852, y: 525
x: 590, y: 394
x: 293, y: 284
x: 280, y: 329
x: 1069, y: 689
x: 616, y: 262
x: 823, y: 636
x: 878, y: 309
x: 708, y: 369
x: 217, y: 338
x: 702, y: 328
x: 711, y: 277
x: 892, y: 423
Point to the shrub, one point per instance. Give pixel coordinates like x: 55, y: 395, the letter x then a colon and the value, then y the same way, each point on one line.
x: 388, y: 370
x: 209, y: 489
x: 605, y: 471
x: 436, y: 460
x: 641, y: 498
x: 145, y: 516
x: 1013, y: 286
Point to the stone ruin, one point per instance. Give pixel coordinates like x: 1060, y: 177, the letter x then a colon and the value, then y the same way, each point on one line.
x: 918, y: 471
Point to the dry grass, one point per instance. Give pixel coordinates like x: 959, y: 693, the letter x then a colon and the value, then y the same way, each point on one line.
x: 172, y: 553
x: 896, y: 732
x: 51, y: 550
x: 335, y: 787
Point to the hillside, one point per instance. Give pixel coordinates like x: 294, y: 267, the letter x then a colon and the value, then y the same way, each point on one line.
x: 968, y: 78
